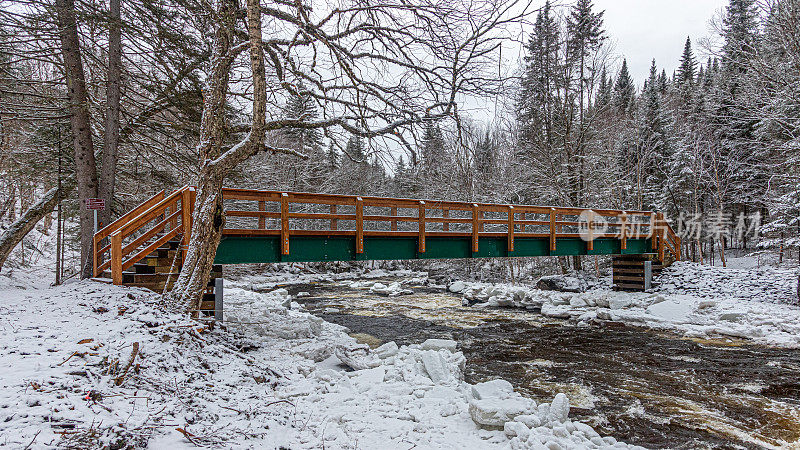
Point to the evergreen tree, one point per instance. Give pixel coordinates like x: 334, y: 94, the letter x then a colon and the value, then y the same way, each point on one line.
x: 604, y: 92
x: 624, y: 91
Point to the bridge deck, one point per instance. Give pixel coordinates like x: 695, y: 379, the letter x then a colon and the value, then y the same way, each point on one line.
x: 272, y: 226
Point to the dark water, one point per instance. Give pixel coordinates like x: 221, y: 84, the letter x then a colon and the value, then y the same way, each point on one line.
x: 647, y: 388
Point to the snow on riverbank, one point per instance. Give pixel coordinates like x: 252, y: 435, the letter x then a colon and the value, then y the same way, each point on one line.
x: 274, y: 378
x: 699, y: 301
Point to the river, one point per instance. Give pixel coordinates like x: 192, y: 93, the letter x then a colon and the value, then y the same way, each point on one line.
x: 641, y: 386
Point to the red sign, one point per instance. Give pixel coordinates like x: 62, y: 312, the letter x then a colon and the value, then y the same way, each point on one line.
x: 95, y: 203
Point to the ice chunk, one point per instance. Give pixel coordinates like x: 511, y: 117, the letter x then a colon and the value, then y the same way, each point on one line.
x: 492, y: 389
x: 672, y: 310
x: 518, y: 429
x: 368, y: 378
x: 559, y: 408
x: 435, y: 366
x: 495, y: 412
x: 386, y: 350
x: 458, y: 287
x: 439, y: 344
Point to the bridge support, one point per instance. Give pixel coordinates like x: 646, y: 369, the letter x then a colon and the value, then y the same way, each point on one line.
x: 634, y: 272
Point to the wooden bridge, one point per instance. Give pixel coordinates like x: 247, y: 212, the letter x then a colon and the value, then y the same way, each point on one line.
x: 145, y: 247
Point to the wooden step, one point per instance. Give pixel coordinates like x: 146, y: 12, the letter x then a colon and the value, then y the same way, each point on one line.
x: 628, y: 278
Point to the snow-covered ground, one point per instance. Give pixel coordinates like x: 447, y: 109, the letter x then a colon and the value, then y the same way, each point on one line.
x: 757, y: 303
x: 274, y: 378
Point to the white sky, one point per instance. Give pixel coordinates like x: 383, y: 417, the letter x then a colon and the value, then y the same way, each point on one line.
x: 645, y: 29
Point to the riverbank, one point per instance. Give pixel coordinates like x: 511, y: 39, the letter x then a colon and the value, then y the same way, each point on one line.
x: 698, y: 301
x: 91, y: 365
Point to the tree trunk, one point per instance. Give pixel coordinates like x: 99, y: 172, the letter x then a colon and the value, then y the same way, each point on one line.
x: 108, y: 167
x: 208, y: 218
x: 10, y: 204
x: 85, y: 165
x: 20, y: 228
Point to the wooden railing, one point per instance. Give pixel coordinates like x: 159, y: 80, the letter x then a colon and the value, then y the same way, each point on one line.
x: 143, y: 230
x: 251, y: 212
x: 303, y: 214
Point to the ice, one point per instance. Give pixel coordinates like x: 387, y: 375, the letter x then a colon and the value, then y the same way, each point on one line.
x: 492, y: 389
x: 673, y: 310
x: 440, y: 344
x: 559, y: 409
x: 386, y: 350
x: 435, y: 366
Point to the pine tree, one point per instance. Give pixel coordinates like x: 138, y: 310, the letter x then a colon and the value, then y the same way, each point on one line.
x: 624, y: 91
x: 435, y: 162
x: 604, y: 91
x: 685, y: 79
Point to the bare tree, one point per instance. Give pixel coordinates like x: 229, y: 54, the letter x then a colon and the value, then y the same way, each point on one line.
x: 375, y: 69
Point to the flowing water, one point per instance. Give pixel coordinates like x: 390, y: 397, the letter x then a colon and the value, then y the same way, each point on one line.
x: 640, y: 386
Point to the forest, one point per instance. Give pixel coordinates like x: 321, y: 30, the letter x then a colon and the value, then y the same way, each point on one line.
x: 118, y: 101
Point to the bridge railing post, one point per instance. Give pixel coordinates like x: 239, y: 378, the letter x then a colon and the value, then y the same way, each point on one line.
x: 445, y: 216
x: 510, y: 228
x: 262, y: 219
x: 284, y: 223
x: 421, y: 219
x: 187, y: 204
x: 334, y: 221
x: 393, y: 213
x: 552, y: 229
x: 590, y: 230
x: 475, y: 226
x: 116, y: 258
x: 624, y: 230
x: 359, y: 225
x: 653, y: 229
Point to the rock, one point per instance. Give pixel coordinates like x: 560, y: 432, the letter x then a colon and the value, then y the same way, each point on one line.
x: 561, y: 283
x: 386, y: 350
x: 492, y: 389
x: 559, y: 408
x: 439, y: 344
x: 435, y: 366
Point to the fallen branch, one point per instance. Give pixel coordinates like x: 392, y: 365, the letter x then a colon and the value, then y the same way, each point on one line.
x: 187, y: 435
x: 127, y: 367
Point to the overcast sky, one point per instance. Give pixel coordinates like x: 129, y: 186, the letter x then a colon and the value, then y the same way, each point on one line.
x: 645, y: 29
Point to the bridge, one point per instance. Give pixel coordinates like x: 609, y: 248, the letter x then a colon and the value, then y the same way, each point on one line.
x: 145, y: 246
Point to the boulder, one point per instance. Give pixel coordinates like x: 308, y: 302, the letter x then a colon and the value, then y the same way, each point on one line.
x: 561, y: 283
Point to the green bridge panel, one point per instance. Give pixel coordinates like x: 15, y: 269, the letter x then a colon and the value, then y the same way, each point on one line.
x: 266, y: 249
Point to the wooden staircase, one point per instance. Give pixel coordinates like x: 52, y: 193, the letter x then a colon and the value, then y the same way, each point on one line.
x: 146, y: 246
